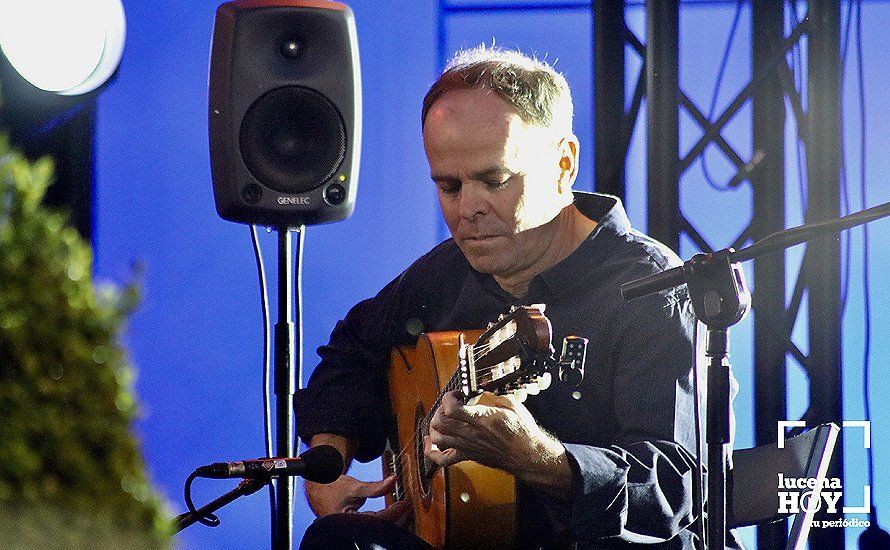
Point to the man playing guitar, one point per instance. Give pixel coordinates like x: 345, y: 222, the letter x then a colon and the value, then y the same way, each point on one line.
x: 604, y: 465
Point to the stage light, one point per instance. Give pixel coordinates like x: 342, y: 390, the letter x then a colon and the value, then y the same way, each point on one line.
x: 69, y: 47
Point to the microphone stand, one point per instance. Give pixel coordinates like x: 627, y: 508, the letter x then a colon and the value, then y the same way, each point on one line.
x: 246, y: 487
x: 720, y: 299
x: 286, y: 377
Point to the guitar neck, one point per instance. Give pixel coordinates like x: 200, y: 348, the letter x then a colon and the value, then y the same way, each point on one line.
x: 501, y: 359
x: 453, y: 383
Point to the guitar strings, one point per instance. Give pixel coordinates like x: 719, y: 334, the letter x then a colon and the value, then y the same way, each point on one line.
x: 478, y: 351
x: 483, y: 349
x: 453, y: 383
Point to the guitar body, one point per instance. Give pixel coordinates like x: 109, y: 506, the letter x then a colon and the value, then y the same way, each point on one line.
x: 466, y: 505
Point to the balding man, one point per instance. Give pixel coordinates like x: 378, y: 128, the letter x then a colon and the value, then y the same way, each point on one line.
x: 605, y: 465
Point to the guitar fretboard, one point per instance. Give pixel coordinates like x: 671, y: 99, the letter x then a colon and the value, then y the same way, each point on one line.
x: 452, y: 384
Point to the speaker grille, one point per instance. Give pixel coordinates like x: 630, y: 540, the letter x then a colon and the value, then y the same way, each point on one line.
x: 293, y: 139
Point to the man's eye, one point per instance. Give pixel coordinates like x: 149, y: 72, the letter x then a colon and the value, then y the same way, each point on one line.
x: 498, y: 184
x: 449, y: 188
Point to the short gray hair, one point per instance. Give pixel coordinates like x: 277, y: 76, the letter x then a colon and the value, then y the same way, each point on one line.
x: 534, y: 88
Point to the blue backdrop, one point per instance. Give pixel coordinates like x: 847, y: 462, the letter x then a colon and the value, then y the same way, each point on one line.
x: 197, y: 341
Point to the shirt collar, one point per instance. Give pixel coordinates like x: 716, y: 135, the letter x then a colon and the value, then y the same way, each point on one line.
x: 612, y: 221
x: 606, y: 210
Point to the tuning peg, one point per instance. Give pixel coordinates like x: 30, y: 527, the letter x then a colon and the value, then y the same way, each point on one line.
x: 520, y: 394
x: 490, y: 325
x: 544, y: 381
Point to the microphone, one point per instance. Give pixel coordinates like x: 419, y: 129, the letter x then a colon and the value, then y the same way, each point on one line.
x: 321, y: 464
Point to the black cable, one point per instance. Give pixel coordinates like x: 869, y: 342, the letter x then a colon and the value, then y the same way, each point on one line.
x: 698, y: 485
x: 210, y: 520
x: 267, y: 339
x: 723, y: 63
x: 845, y: 33
x: 866, y: 285
x: 873, y: 537
x: 298, y: 321
x: 846, y: 238
x: 267, y: 364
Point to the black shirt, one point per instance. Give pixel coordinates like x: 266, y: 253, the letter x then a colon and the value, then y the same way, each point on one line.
x: 628, y: 428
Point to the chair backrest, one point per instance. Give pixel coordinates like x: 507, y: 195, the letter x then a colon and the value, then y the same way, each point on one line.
x: 755, y: 479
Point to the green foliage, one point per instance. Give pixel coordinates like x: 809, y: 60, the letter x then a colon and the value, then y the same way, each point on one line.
x: 66, y: 400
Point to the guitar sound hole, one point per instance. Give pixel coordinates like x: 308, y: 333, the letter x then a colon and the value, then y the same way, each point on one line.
x: 424, y: 468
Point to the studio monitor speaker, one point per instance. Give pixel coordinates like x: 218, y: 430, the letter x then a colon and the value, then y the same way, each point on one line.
x: 285, y: 112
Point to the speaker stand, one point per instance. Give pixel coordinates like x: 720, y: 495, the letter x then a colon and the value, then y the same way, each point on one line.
x: 288, y: 377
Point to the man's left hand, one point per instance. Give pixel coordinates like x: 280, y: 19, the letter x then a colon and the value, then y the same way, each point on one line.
x: 501, y: 434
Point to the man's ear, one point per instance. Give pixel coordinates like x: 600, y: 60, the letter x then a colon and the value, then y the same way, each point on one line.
x: 568, y: 163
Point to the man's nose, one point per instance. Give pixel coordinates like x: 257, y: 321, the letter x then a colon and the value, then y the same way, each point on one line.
x: 473, y: 201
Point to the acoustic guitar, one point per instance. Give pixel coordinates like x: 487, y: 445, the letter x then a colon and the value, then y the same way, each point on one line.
x: 467, y: 505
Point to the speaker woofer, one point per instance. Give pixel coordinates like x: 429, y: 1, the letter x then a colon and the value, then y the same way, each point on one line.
x: 293, y: 139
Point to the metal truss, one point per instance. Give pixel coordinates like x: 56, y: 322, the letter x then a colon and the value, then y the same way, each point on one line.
x: 819, y: 128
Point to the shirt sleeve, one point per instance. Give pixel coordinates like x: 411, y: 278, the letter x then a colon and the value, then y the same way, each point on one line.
x: 347, y: 393
x: 639, y: 489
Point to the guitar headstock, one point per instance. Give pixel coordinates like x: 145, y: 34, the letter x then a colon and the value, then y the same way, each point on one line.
x: 510, y: 356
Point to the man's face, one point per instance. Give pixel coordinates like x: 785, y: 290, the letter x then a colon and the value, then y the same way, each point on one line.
x: 499, y: 180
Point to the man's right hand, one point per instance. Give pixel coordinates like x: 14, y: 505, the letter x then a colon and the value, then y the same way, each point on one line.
x: 347, y: 495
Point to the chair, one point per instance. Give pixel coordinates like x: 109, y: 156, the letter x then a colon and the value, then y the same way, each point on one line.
x: 755, y: 474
